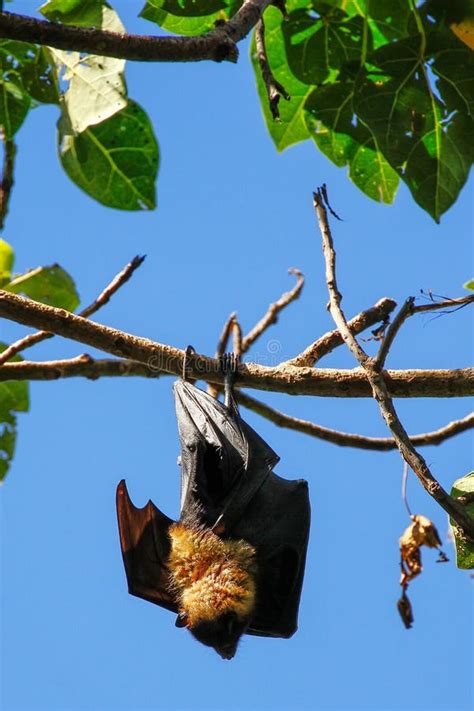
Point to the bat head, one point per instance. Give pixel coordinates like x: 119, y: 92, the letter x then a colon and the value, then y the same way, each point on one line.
x: 222, y: 633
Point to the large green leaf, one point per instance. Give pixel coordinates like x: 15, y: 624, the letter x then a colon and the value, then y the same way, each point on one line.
x: 189, y: 17
x: 116, y: 161
x: 346, y: 141
x: 464, y: 548
x: 423, y: 135
x: 49, y: 285
x: 320, y: 40
x: 96, y: 85
x: 292, y: 127
x: 15, y: 100
x: 14, y: 397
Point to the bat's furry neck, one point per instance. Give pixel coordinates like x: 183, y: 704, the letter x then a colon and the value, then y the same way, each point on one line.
x: 211, y: 576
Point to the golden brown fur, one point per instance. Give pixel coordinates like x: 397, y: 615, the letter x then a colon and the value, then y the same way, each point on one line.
x: 211, y: 576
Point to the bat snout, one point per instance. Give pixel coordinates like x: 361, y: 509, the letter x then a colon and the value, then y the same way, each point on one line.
x: 227, y: 651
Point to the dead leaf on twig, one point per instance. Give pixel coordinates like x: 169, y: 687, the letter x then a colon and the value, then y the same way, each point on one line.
x: 421, y: 532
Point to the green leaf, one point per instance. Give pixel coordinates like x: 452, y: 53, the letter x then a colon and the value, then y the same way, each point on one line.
x: 469, y: 285
x: 317, y: 46
x: 83, y: 13
x: 7, y: 258
x: 187, y: 17
x: 425, y: 138
x: 292, y: 126
x: 116, y: 161
x: 41, y: 78
x: 49, y: 285
x: 346, y: 141
x: 390, y: 18
x: 464, y: 548
x: 14, y: 397
x: 96, y: 85
x: 15, y: 101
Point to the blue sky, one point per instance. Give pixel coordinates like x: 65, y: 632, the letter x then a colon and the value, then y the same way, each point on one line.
x: 233, y: 216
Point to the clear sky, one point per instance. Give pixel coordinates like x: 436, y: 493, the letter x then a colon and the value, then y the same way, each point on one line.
x: 233, y: 216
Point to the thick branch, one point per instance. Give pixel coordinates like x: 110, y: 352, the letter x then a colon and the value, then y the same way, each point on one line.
x: 167, y: 359
x: 345, y: 439
x: 218, y: 45
x: 331, y: 340
x: 104, y: 297
x: 376, y: 378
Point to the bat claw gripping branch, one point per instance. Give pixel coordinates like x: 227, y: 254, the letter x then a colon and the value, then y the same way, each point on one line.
x: 229, y: 364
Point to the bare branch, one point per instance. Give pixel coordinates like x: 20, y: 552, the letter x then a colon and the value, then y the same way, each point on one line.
x: 379, y: 387
x: 273, y: 310
x: 218, y: 45
x: 274, y: 89
x: 81, y: 366
x: 405, y: 311
x: 345, y: 439
x: 6, y: 184
x: 410, y: 309
x: 224, y: 337
x: 331, y: 340
x: 321, y: 382
x: 104, y: 297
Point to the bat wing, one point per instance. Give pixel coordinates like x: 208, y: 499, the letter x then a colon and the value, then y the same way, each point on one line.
x: 145, y: 549
x: 277, y: 523
x: 223, y: 461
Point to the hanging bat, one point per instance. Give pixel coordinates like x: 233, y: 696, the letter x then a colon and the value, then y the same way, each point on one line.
x: 234, y: 562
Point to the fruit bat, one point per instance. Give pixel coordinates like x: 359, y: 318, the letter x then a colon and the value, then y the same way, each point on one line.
x: 234, y: 562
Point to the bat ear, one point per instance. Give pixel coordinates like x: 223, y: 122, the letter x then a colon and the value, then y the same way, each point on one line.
x: 181, y: 620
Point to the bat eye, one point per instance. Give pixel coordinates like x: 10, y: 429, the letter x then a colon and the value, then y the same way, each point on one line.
x: 181, y: 621
x: 192, y: 447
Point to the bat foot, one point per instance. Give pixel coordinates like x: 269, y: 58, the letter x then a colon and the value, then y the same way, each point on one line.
x: 229, y: 363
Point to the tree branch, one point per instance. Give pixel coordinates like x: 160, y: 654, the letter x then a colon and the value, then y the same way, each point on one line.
x: 377, y: 382
x: 345, y: 439
x: 218, y: 45
x: 273, y: 310
x: 410, y: 309
x: 322, y: 382
x: 274, y: 89
x: 331, y: 340
x: 6, y: 184
x: 104, y: 297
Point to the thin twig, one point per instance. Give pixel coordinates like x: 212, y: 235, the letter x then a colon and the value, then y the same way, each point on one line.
x: 274, y: 89
x: 404, y: 486
x: 218, y: 45
x: 321, y: 382
x: 6, y: 184
x: 346, y: 439
x: 377, y: 382
x: 380, y: 312
x: 273, y: 310
x: 405, y: 311
x: 237, y: 339
x: 104, y: 297
x: 212, y: 389
x: 410, y: 309
x: 224, y: 337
